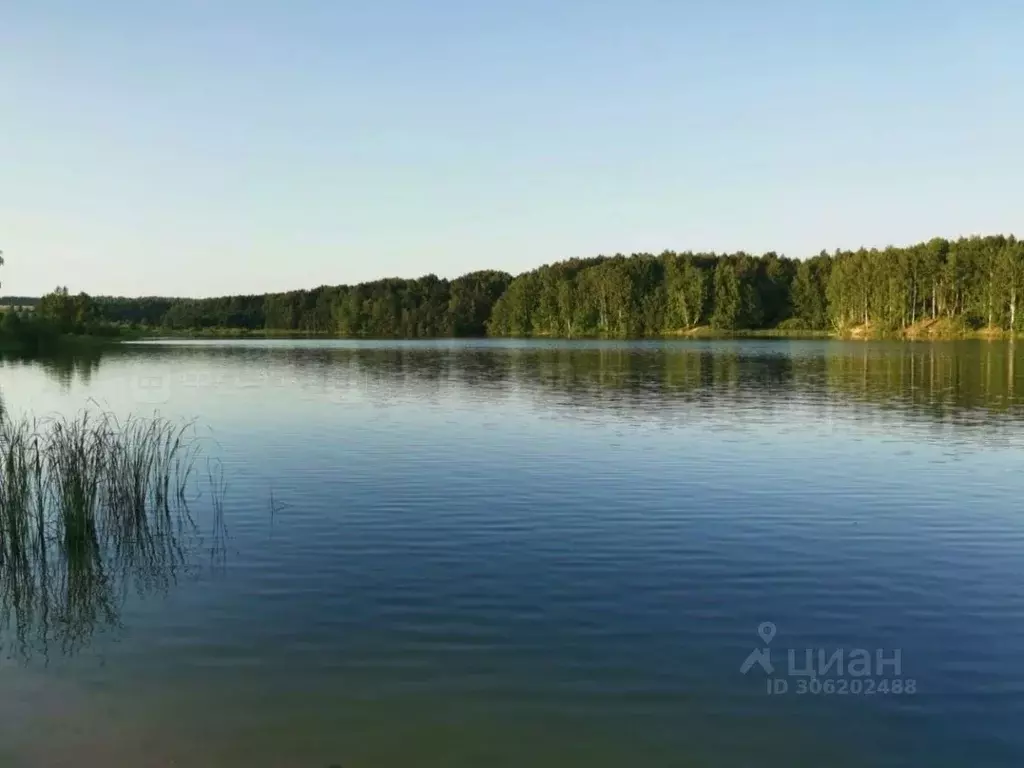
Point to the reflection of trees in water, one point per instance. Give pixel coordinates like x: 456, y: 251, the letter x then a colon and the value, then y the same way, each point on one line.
x: 63, y: 367
x: 966, y: 382
x: 938, y: 378
x: 92, y: 509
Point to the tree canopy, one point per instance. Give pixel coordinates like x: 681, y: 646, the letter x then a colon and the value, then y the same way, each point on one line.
x: 976, y: 281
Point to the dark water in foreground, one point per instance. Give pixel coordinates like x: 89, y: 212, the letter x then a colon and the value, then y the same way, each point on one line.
x: 552, y: 554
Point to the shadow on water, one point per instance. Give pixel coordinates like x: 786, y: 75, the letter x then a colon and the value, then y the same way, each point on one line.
x: 93, y: 510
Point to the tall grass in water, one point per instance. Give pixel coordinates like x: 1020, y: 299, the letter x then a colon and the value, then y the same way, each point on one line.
x: 91, y: 507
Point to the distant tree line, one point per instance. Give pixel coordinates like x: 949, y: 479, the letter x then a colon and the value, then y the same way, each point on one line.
x: 976, y: 282
x: 19, y: 301
x: 425, y: 307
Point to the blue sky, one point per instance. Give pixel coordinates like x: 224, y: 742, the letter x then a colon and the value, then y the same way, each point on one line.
x: 201, y: 148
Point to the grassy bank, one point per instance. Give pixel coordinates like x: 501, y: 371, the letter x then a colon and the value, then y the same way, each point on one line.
x: 39, y: 338
x: 226, y: 333
x: 939, y: 329
x: 863, y: 333
x: 708, y: 332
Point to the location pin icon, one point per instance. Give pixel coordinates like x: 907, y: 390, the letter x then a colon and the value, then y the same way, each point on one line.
x: 766, y: 632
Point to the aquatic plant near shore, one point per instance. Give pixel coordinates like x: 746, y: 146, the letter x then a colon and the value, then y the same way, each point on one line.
x: 90, y: 507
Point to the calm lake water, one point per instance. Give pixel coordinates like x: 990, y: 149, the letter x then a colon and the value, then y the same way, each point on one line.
x: 558, y: 554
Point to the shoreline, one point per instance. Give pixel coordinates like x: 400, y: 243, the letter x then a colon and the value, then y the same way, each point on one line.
x: 930, y: 332
x: 699, y: 333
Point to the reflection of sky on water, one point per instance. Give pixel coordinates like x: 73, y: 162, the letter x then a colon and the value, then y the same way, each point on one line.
x: 525, y: 548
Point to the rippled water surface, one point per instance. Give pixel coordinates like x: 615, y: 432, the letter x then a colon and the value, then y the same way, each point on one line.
x: 557, y: 554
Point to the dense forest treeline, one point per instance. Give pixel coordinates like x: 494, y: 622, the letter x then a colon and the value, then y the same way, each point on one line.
x: 970, y: 283
x: 976, y: 282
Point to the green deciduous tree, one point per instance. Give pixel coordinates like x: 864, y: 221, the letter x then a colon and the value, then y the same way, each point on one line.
x: 728, y: 301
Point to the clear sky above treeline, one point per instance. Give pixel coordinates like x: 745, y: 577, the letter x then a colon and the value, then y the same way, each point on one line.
x: 203, y: 148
